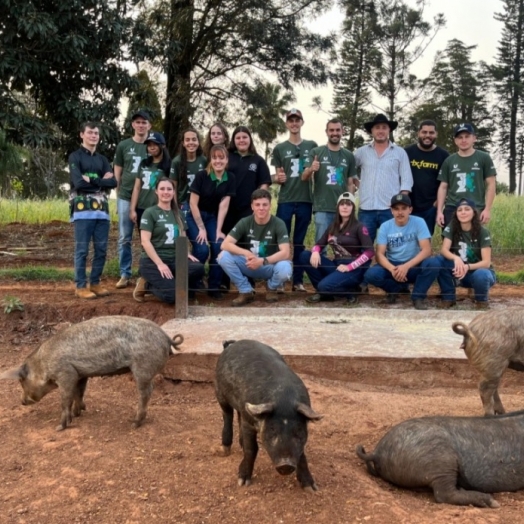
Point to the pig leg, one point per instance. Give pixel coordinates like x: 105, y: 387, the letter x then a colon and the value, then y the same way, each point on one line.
x: 445, y: 490
x: 304, y: 476
x: 67, y: 403
x: 241, y: 444
x: 499, y: 408
x: 487, y: 389
x: 245, y: 471
x: 227, y: 429
x: 145, y: 388
x: 78, y: 401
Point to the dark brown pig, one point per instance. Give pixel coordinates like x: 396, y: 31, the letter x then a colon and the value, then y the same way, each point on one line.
x: 272, y: 401
x: 493, y: 341
x: 98, y: 347
x: 462, y: 459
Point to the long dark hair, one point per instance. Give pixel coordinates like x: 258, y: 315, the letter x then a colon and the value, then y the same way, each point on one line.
x: 456, y: 228
x: 242, y: 129
x: 183, y: 155
x: 165, y: 163
x: 336, y: 227
x: 174, y: 206
x: 207, y: 142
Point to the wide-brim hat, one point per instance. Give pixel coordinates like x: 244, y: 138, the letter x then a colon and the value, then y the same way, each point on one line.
x: 380, y: 119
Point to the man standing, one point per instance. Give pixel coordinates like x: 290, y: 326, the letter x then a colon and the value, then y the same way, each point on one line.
x: 91, y: 179
x: 332, y: 169
x: 468, y: 173
x: 129, y: 154
x: 384, y: 172
x: 426, y: 159
x: 257, y: 247
x: 294, y: 197
x: 403, y: 248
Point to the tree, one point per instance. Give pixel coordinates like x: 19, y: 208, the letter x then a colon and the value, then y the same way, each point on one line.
x: 266, y: 106
x: 62, y: 62
x: 213, y: 49
x: 509, y: 87
x: 359, y: 57
x: 12, y: 164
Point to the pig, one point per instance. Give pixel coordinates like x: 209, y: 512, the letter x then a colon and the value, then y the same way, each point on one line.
x: 272, y: 401
x: 493, y: 341
x: 102, y: 346
x: 462, y: 459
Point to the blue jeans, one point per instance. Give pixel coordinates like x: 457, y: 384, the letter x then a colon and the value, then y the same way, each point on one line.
x: 302, y: 212
x: 235, y: 267
x: 481, y: 280
x: 373, y: 219
x: 422, y: 276
x: 429, y: 216
x: 322, y: 220
x: 125, y: 236
x: 96, y: 230
x: 327, y: 280
x: 201, y: 251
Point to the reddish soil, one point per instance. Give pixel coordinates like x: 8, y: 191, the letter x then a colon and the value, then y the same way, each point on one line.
x: 103, y: 471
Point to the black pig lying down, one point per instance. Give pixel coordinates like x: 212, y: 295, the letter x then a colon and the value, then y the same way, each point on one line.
x: 462, y: 459
x: 101, y: 346
x: 272, y: 401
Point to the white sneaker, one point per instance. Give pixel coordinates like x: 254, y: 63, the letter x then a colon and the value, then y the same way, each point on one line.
x: 281, y: 289
x: 299, y: 287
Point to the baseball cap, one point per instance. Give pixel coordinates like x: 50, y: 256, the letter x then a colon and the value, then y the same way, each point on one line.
x: 155, y: 137
x: 401, y: 198
x: 346, y: 196
x: 468, y: 128
x: 294, y: 112
x: 141, y: 114
x: 467, y: 202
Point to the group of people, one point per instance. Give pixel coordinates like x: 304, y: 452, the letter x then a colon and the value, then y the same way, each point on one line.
x: 216, y: 193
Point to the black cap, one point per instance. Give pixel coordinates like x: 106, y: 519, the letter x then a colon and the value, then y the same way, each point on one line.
x: 401, y: 198
x: 467, y: 202
x: 141, y: 114
x: 155, y: 137
x: 465, y: 127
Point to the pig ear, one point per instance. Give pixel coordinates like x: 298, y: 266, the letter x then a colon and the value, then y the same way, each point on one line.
x: 308, y: 412
x: 227, y: 343
x: 13, y: 374
x: 257, y: 410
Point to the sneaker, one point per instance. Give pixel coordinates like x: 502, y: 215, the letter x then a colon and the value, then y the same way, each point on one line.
x: 83, y: 292
x: 481, y: 305
x: 271, y: 294
x: 243, y: 299
x: 317, y: 297
x: 391, y: 298
x: 299, y: 287
x: 364, y: 289
x: 446, y: 304
x: 215, y: 295
x: 420, y: 304
x: 99, y: 290
x: 140, y: 290
x: 281, y: 289
x: 122, y: 283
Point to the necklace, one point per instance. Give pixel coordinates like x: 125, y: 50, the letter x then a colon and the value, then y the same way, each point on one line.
x: 331, y: 161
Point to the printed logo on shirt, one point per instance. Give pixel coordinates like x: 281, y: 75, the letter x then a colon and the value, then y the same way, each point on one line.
x: 465, y: 182
x: 422, y: 164
x: 171, y: 231
x: 334, y: 176
x: 252, y: 167
x: 397, y: 240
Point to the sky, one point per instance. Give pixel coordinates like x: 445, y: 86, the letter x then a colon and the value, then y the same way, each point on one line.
x: 468, y: 20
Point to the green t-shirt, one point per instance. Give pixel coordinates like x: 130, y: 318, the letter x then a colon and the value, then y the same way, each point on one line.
x: 466, y: 177
x: 164, y: 230
x: 148, y: 176
x: 293, y: 159
x: 192, y: 169
x: 128, y: 156
x: 468, y: 250
x: 331, y: 180
x: 261, y: 240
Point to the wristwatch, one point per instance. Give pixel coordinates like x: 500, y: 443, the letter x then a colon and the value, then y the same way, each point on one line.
x: 265, y: 262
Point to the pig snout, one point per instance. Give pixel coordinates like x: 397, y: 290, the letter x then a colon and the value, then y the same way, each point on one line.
x: 286, y: 466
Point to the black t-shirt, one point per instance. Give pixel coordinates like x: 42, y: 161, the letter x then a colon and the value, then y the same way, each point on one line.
x: 250, y: 173
x: 211, y: 190
x: 425, y: 166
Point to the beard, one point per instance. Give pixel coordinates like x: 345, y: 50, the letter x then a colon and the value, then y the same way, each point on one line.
x: 425, y: 146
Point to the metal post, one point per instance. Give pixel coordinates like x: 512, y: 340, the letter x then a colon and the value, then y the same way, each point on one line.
x: 181, y: 278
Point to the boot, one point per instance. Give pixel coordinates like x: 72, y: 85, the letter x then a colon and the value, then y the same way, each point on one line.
x: 99, y: 290
x: 83, y: 292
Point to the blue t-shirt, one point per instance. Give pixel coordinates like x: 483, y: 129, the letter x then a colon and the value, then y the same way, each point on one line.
x: 402, y: 242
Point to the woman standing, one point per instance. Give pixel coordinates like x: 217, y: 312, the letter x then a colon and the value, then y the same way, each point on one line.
x: 211, y: 192
x: 151, y: 169
x: 159, y: 228
x: 465, y: 257
x: 353, y: 250
x: 186, y: 165
x: 216, y: 136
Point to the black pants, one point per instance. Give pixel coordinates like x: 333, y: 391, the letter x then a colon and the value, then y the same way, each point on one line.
x: 164, y: 288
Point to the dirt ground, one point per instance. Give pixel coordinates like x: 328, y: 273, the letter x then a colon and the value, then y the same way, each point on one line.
x: 101, y: 470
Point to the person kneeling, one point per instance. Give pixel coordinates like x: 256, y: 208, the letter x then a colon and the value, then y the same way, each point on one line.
x: 353, y: 249
x: 403, y: 248
x: 258, y: 248
x: 160, y: 225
